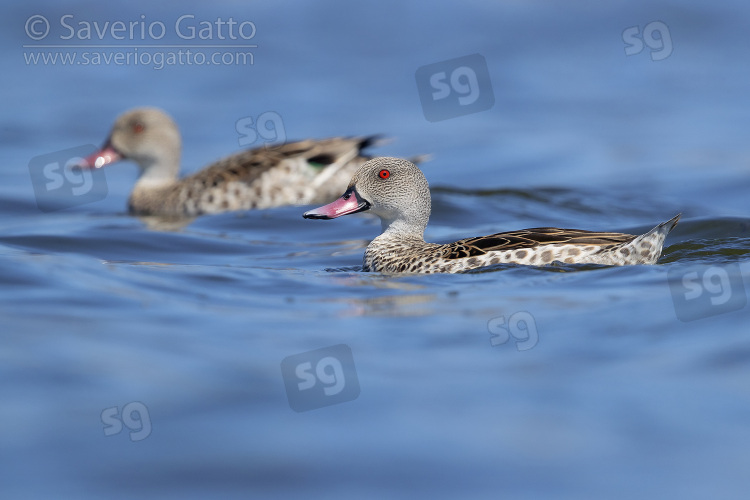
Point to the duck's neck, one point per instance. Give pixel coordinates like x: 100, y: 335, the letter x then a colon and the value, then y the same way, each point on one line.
x: 150, y: 194
x: 400, y: 229
x: 393, y: 250
x: 157, y: 175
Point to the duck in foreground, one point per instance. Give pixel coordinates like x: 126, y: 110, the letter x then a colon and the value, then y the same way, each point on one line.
x: 297, y: 173
x: 397, y: 191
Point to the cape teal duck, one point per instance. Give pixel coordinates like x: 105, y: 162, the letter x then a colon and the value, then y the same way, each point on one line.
x: 396, y: 190
x: 297, y: 173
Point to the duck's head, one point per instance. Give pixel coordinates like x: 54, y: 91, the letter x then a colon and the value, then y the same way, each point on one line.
x: 394, y: 189
x: 147, y: 136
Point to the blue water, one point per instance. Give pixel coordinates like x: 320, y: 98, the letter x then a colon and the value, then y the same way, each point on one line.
x: 615, y: 386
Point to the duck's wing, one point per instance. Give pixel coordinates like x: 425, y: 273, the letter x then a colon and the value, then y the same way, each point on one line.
x: 247, y: 166
x: 529, y: 238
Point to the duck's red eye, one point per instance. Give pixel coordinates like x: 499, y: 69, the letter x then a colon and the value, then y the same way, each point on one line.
x: 138, y: 128
x: 384, y: 174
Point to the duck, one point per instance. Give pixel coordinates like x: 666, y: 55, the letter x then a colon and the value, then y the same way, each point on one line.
x: 397, y: 191
x: 294, y: 173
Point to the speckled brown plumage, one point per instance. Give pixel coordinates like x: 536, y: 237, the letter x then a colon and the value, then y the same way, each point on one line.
x: 530, y: 238
x: 402, y: 200
x: 259, y: 178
